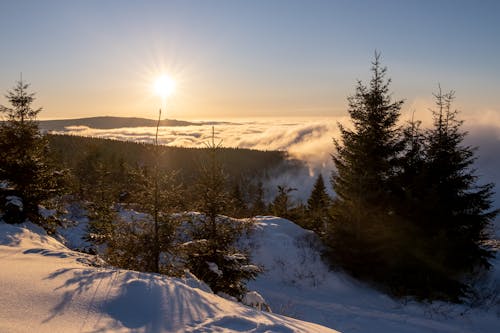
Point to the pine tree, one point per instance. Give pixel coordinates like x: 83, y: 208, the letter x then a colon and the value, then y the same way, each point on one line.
x: 366, y: 161
x: 318, y: 206
x: 24, y: 153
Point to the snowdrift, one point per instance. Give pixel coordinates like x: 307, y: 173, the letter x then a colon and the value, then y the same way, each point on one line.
x: 297, y: 283
x: 45, y: 287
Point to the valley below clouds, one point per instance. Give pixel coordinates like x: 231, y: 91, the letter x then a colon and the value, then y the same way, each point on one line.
x: 308, y: 140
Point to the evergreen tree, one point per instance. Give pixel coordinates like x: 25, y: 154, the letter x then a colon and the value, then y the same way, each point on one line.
x: 149, y: 242
x: 259, y: 206
x: 24, y: 153
x: 412, y: 184
x: 318, y: 206
x: 238, y: 206
x: 212, y: 254
x: 445, y: 213
x: 366, y: 161
x: 282, y: 203
x: 456, y: 210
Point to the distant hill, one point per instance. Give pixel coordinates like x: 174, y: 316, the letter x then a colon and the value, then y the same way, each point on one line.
x: 113, y: 122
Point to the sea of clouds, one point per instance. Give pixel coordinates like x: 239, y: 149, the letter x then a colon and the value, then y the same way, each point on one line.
x: 307, y: 140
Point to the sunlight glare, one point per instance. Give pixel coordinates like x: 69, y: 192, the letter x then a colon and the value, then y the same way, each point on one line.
x: 164, y: 86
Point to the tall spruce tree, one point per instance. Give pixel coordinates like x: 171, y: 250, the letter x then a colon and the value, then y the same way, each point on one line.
x: 318, y: 206
x: 366, y: 161
x: 411, y: 179
x: 24, y: 154
x: 445, y: 212
x: 457, y: 211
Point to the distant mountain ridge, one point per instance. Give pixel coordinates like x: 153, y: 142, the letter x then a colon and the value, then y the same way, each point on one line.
x: 108, y: 122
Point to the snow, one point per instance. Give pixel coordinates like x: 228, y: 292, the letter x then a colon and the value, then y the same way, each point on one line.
x: 254, y: 299
x: 214, y: 268
x: 14, y: 201
x: 297, y: 283
x: 45, y: 287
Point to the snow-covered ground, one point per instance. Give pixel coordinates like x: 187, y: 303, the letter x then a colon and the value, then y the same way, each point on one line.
x: 45, y: 287
x: 297, y: 283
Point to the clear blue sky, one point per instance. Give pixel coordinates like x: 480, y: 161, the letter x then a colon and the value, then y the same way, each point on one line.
x: 246, y: 58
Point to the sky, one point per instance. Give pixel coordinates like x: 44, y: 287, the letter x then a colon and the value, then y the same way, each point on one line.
x: 247, y: 59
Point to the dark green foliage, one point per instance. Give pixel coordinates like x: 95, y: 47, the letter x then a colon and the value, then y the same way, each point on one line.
x: 459, y: 206
x: 366, y: 156
x: 366, y: 160
x: 318, y: 206
x: 449, y: 211
x: 146, y: 242
x: 159, y: 196
x: 408, y: 214
x: 258, y: 204
x: 84, y: 156
x: 282, y: 204
x: 149, y: 242
x: 95, y: 180
x: 212, y: 254
x: 102, y: 220
x: 135, y: 245
x: 252, y: 164
x: 24, y: 153
x: 238, y: 200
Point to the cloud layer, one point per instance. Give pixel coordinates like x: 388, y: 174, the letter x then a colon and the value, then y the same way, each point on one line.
x: 307, y: 140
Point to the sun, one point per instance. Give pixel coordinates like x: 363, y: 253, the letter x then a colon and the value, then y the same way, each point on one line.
x: 164, y: 86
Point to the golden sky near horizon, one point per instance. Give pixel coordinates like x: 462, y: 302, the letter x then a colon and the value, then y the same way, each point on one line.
x: 234, y: 59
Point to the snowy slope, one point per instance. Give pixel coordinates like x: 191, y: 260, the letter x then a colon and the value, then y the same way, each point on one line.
x: 297, y: 283
x: 45, y: 287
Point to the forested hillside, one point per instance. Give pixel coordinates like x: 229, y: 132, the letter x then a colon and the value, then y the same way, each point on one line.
x: 71, y: 150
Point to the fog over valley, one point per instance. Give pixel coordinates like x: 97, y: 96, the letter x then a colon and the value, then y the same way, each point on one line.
x: 308, y: 140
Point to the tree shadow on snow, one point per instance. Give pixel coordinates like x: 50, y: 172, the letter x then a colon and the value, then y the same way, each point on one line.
x: 137, y: 301
x: 10, y: 235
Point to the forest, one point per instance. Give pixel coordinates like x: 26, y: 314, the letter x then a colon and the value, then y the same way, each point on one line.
x: 409, y: 215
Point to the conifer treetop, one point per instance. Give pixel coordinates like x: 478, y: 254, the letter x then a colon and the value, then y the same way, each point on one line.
x: 20, y: 99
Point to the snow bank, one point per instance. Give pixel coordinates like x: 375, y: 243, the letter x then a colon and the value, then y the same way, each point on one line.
x: 297, y: 283
x: 45, y: 287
